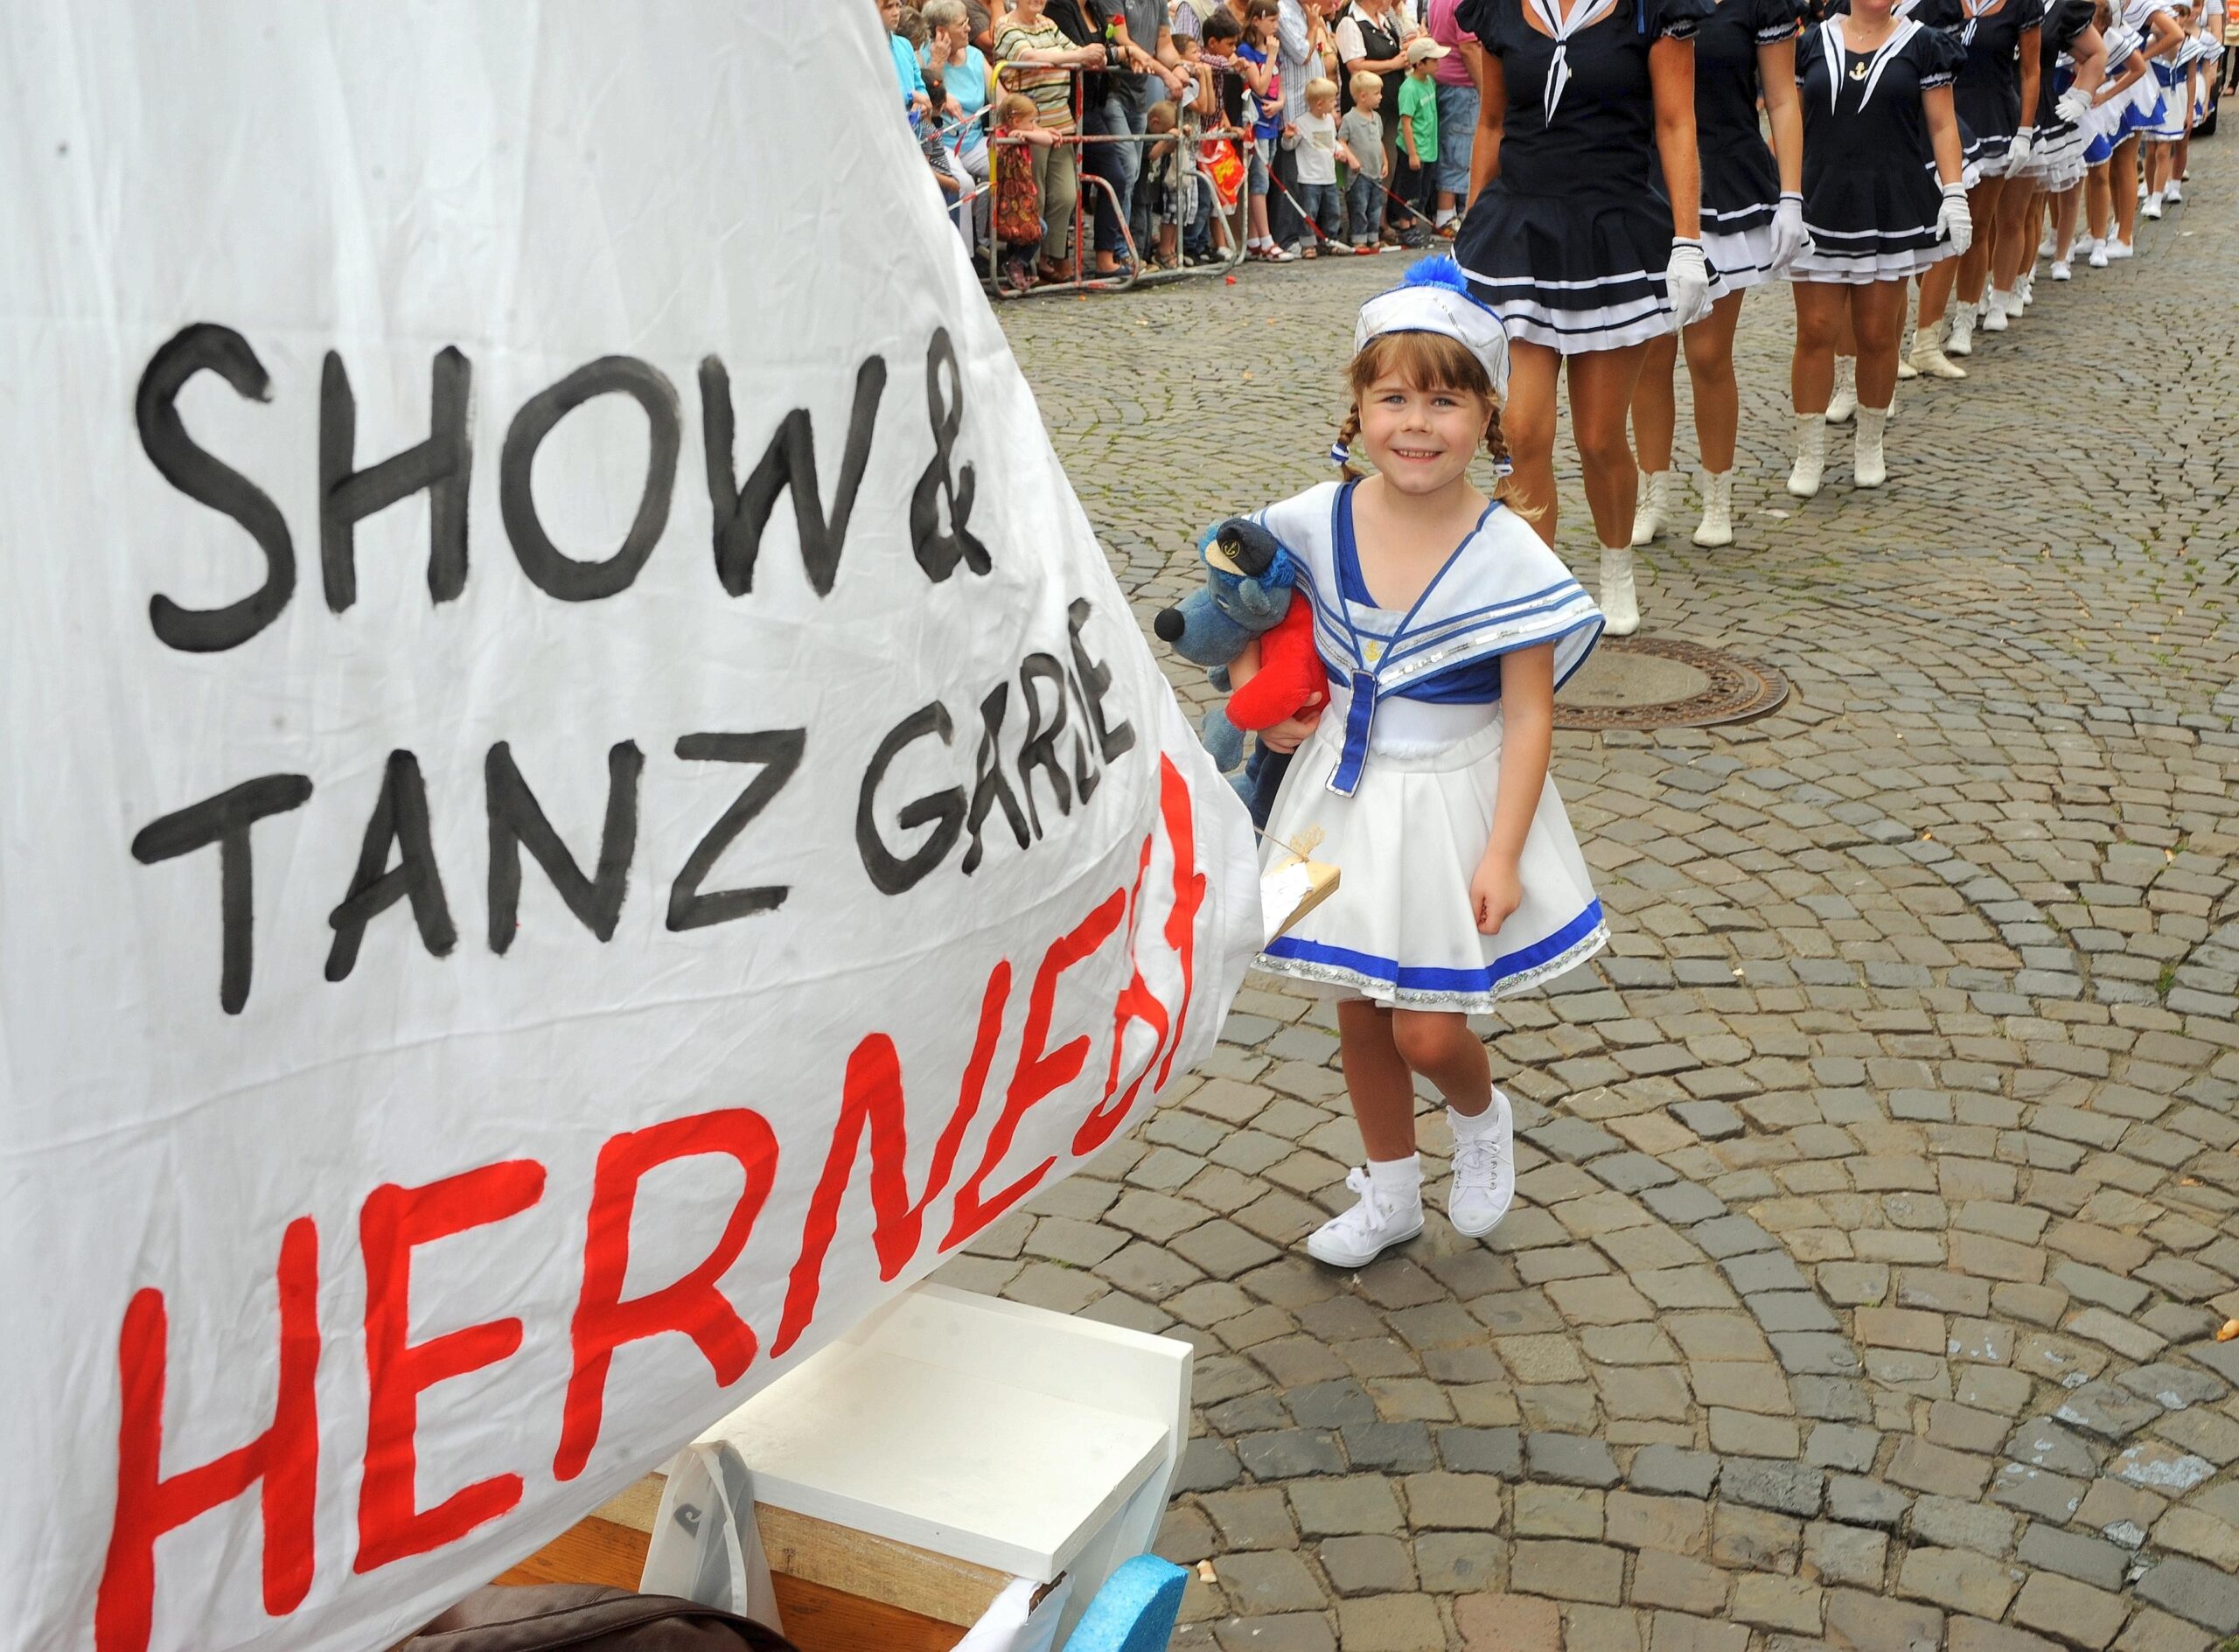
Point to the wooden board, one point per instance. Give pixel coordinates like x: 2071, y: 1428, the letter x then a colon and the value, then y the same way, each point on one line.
x: 849, y: 1589
x: 855, y: 1563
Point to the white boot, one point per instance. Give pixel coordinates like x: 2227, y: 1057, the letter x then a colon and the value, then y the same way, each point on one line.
x: 1620, y: 608
x: 2153, y: 208
x: 2119, y: 250
x: 1960, y: 341
x: 1811, y: 454
x: 1718, y: 504
x: 1906, y: 346
x: 1843, y: 402
x: 2099, y: 256
x: 2174, y: 193
x: 1390, y: 1212
x: 2025, y: 290
x: 1929, y: 357
x: 1651, y: 506
x: 2060, y: 270
x: 1484, y: 1169
x: 2002, y: 305
x: 1867, y: 470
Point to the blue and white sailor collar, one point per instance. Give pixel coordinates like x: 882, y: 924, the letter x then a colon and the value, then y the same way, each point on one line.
x: 1500, y: 590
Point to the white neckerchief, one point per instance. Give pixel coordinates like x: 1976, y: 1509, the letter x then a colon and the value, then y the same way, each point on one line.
x: 1977, y: 11
x: 1584, y: 15
x: 1834, y: 47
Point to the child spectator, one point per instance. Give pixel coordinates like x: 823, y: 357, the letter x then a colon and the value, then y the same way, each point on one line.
x: 933, y: 140
x: 1018, y: 196
x: 1256, y: 59
x: 1168, y: 179
x: 1360, y: 137
x: 1417, y: 139
x: 1318, y: 198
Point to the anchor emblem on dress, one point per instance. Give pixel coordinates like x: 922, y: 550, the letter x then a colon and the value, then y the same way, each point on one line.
x: 1858, y: 71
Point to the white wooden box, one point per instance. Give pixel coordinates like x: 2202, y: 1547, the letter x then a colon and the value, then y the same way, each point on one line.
x: 1030, y: 1442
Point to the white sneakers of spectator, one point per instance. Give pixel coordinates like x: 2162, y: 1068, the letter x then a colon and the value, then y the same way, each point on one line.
x: 1389, y: 1209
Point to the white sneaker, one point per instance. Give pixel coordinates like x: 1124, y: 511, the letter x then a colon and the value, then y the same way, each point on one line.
x: 2174, y: 193
x: 1365, y: 1232
x: 2026, y: 291
x: 1961, y: 342
x: 2098, y: 259
x: 1811, y: 454
x: 2153, y: 208
x: 1843, y: 401
x: 2120, y: 250
x: 2060, y: 269
x: 2045, y: 246
x: 1620, y: 608
x: 1484, y: 1173
x: 1717, y: 527
x: 1994, y: 314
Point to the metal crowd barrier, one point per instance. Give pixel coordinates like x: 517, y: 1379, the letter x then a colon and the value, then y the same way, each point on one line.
x: 1136, y: 272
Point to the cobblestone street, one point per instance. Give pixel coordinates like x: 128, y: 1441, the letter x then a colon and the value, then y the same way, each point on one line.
x: 1878, y: 1201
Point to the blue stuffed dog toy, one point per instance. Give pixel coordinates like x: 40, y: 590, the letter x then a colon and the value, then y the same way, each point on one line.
x: 1249, y: 581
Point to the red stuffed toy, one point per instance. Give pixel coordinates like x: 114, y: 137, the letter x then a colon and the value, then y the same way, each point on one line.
x: 1290, y: 677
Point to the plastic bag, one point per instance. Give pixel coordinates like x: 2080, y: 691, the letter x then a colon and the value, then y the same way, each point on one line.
x: 706, y: 1545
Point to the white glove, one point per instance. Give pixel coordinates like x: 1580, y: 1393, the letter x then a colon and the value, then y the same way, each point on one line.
x: 1789, y: 236
x: 2075, y: 104
x: 1955, y: 220
x: 1687, y: 283
x: 2018, y: 151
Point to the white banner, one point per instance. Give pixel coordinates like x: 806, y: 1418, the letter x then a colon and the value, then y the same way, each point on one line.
x: 579, y: 803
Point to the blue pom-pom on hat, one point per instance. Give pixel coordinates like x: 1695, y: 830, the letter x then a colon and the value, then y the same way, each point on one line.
x: 1439, y: 270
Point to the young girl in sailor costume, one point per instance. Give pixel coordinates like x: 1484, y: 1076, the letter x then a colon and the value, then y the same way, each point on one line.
x: 1446, y: 625
x: 2113, y: 118
x: 2173, y: 72
x: 1583, y: 231
x: 1753, y: 229
x: 1877, y: 116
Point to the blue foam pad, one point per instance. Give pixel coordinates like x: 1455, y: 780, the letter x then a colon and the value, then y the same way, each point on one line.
x: 1135, y: 1610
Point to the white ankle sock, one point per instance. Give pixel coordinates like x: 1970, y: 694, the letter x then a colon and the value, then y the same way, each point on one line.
x: 1399, y: 1183
x: 1469, y: 1125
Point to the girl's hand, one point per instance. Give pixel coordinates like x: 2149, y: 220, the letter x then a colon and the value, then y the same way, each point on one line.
x: 1495, y: 892
x: 1287, y: 736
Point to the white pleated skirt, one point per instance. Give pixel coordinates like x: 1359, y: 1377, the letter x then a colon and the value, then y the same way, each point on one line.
x: 1399, y: 929
x: 1742, y: 257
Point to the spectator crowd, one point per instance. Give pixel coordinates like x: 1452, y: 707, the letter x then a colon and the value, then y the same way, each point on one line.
x: 1075, y: 138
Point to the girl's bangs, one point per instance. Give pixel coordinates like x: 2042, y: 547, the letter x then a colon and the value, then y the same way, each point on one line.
x: 1421, y: 361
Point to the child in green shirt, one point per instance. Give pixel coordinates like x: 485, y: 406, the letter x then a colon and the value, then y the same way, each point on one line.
x: 1417, y: 167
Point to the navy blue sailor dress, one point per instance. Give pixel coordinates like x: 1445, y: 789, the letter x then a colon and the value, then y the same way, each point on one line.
x: 1570, y: 241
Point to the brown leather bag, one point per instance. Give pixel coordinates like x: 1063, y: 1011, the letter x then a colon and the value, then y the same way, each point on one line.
x: 549, y: 1616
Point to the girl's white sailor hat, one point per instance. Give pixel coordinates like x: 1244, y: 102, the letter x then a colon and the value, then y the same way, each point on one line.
x: 1435, y: 296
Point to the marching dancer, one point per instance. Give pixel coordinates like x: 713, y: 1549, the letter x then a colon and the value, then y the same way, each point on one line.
x: 2072, y: 55
x: 1753, y: 229
x: 1573, y: 235
x: 1996, y: 83
x: 2157, y: 27
x: 1447, y: 626
x: 2174, y: 74
x: 1877, y: 114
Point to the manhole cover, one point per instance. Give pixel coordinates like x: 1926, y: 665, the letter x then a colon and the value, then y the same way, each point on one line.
x: 1647, y: 682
